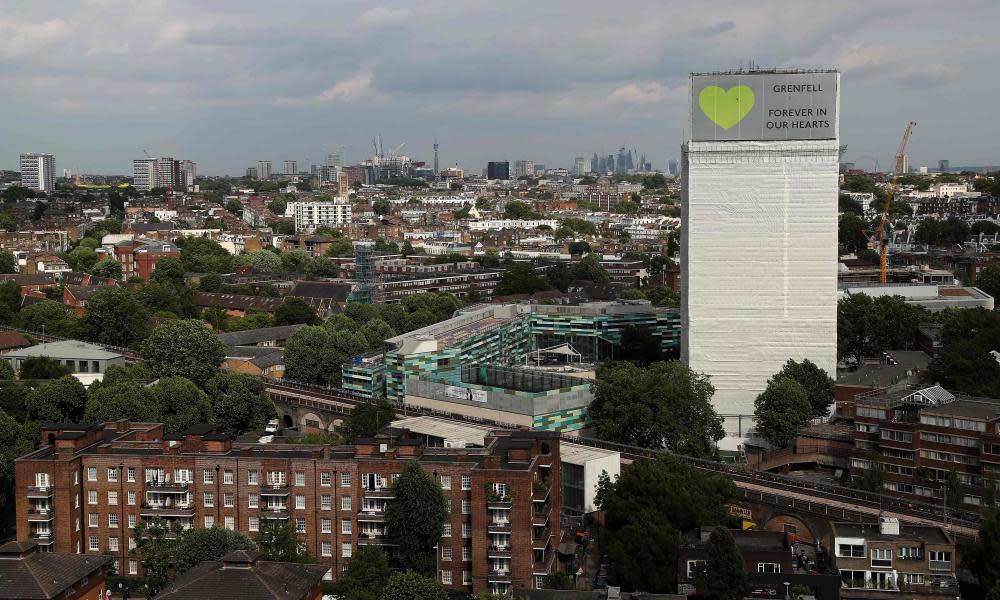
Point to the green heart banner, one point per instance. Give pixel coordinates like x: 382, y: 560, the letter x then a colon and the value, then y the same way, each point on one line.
x: 726, y: 108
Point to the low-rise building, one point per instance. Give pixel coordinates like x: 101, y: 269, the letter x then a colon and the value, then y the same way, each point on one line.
x: 255, y: 579
x: 26, y: 573
x: 87, y: 362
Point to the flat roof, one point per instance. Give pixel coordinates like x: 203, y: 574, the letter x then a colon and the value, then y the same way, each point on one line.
x: 444, y: 429
x: 66, y: 349
x: 974, y: 408
x: 930, y: 534
x: 576, y: 454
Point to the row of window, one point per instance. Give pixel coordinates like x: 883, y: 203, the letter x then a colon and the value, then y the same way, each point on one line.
x: 159, y: 475
x: 882, y: 555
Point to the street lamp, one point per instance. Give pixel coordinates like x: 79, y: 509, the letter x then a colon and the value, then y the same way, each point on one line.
x: 787, y: 585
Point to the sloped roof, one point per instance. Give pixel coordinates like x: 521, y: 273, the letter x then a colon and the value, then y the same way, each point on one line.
x: 30, y: 575
x: 331, y: 290
x: 241, y: 576
x: 253, y: 336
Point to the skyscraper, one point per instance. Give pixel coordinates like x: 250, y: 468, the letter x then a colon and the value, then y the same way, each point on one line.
x: 333, y: 160
x: 263, y: 170
x: 759, y: 234
x: 189, y: 170
x: 672, y: 166
x: 38, y: 171
x: 498, y: 170
x: 144, y: 174
x: 580, y: 166
x: 168, y: 172
x: 436, y: 158
x: 944, y: 166
x: 291, y: 167
x: 523, y: 167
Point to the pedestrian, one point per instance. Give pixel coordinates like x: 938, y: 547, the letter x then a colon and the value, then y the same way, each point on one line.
x: 108, y: 593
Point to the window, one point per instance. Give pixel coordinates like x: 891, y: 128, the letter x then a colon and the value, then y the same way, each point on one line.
x: 956, y: 440
x: 539, y: 582
x: 113, y: 544
x: 130, y: 474
x: 851, y: 550
x: 466, y: 530
x: 692, y: 567
x: 229, y: 522
x: 914, y: 578
x: 78, y: 523
x: 939, y: 555
x: 91, y: 473
x: 300, y: 524
x: 130, y: 497
x: 466, y: 482
x: 768, y: 568
x: 447, y: 505
x: 345, y: 526
x: 112, y: 474
x: 253, y: 524
x: 345, y: 503
x: 253, y: 477
x: 253, y: 500
x: 447, y: 530
x: 466, y: 506
x: 466, y: 577
x: 300, y: 479
x: 446, y: 482
x: 909, y: 552
x: 184, y: 475
x: 326, y: 525
x: 131, y: 521
x: 209, y: 499
x: 112, y: 519
x: 446, y: 577
x: 867, y: 428
x: 42, y: 480
x: 346, y: 549
x: 948, y: 457
x: 93, y: 520
x: 209, y: 521
x: 227, y: 499
x: 91, y: 496
x: 467, y: 553
x: 445, y: 552
x: 95, y: 543
x: 208, y: 476
x: 133, y: 567
x: 870, y: 412
x: 227, y: 477
x: 325, y: 502
x: 113, y: 498
x: 276, y: 478
x: 300, y: 502
x: 326, y: 549
x: 345, y: 479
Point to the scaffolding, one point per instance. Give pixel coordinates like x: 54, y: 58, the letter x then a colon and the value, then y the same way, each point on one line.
x: 367, y: 287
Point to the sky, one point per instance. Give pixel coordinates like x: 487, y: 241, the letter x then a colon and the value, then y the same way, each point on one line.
x: 226, y: 83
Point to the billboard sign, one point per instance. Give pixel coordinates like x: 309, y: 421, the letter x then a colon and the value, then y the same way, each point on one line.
x: 765, y: 106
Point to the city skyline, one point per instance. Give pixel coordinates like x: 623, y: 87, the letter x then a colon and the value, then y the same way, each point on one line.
x: 488, y: 84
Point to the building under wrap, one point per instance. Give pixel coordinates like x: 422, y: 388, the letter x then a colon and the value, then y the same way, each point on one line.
x: 759, y: 233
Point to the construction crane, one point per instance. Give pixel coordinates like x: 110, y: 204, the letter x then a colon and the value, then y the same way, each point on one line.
x: 882, y: 235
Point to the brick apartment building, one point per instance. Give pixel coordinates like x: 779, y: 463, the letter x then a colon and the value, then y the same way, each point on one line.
x: 920, y: 436
x: 85, y: 489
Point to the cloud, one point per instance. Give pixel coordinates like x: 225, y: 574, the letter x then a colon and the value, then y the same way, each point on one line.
x: 358, y: 87
x: 381, y: 15
x: 649, y: 92
x: 926, y: 76
x: 720, y: 27
x: 20, y: 39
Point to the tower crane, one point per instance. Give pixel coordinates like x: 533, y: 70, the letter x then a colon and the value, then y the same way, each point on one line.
x: 882, y: 235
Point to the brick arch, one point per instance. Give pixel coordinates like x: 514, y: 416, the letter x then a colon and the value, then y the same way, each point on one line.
x: 310, y: 416
x: 335, y: 425
x: 803, y: 530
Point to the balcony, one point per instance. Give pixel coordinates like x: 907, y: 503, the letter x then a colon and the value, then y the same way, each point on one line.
x: 274, y: 490
x: 498, y: 527
x: 380, y: 492
x: 499, y: 576
x: 274, y: 513
x: 167, y: 487
x: 371, y: 516
x: 540, y: 491
x: 541, y: 540
x: 39, y: 514
x: 42, y: 538
x: 372, y: 539
x: 496, y: 551
x: 35, y: 491
x: 940, y: 565
x: 163, y: 510
x: 540, y: 519
x: 498, y: 502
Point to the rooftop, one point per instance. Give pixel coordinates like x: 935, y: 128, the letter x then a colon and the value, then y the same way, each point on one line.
x: 66, y: 349
x: 929, y: 534
x: 28, y: 574
x: 241, y: 576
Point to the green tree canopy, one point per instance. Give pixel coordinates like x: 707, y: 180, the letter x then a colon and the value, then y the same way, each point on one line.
x: 722, y: 577
x: 8, y: 263
x: 851, y: 233
x: 15, y: 441
x: 202, y: 255
x: 61, y: 400
x: 168, y: 270
x: 115, y: 317
x: 646, y: 510
x: 295, y: 310
x: 781, y: 410
x: 199, y: 544
x: 965, y: 363
x: 868, y: 326
x: 259, y: 260
x: 589, y: 268
x: 517, y: 209
x: 239, y: 402
x: 520, y: 277
x: 665, y: 405
x: 412, y: 586
x: 817, y: 384
x: 123, y: 400
x: 279, y: 542
x: 366, y: 418
x: 308, y: 355
x: 49, y: 316
x: 982, y: 557
x: 107, y: 268
x: 185, y: 348
x: 366, y: 576
x: 180, y: 404
x: 43, y: 367
x: 415, y: 519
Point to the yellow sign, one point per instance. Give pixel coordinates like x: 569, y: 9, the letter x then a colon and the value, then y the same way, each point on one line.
x: 739, y: 511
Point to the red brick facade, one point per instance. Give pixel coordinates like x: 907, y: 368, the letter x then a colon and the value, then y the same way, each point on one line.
x: 101, y: 480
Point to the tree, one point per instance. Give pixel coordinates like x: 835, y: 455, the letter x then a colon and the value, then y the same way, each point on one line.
x: 490, y: 259
x: 519, y: 278
x: 366, y: 575
x: 14, y: 443
x: 48, y: 316
x: 988, y: 280
x: 107, y: 268
x: 558, y: 580
x: 61, y: 400
x: 43, y: 367
x: 199, y: 544
x: 115, y: 317
x: 341, y: 247
x: 366, y: 418
x: 381, y: 207
x: 377, y: 332
x: 123, y: 400
x: 279, y: 542
x: 154, y: 544
x: 415, y: 518
x: 781, y: 409
x: 982, y: 556
x: 259, y: 260
x: 233, y: 205
x: 517, y: 209
x: 10, y: 295
x: 590, y: 269
x: 308, y: 356
x: 293, y: 311
x: 180, y: 404
x: 665, y: 405
x: 6, y: 371
x: 412, y: 586
x: 647, y: 508
x: 722, y: 576
x: 817, y: 384
x: 851, y: 233
x: 186, y: 348
x: 868, y: 326
x: 579, y: 248
x: 239, y: 403
x: 202, y: 255
x: 8, y: 263
x: 965, y: 363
